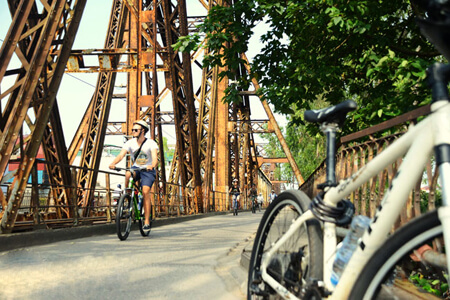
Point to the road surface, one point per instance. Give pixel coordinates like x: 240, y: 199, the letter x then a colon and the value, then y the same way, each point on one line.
x: 197, y: 259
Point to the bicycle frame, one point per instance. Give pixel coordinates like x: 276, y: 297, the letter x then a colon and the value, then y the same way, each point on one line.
x: 417, y: 144
x: 135, y: 191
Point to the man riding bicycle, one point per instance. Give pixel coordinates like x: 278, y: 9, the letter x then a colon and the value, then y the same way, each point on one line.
x: 253, y: 194
x: 144, y: 154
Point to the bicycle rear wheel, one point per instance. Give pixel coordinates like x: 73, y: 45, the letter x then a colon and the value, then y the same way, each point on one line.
x: 142, y: 222
x: 298, y: 261
x: 123, y: 217
x: 392, y: 271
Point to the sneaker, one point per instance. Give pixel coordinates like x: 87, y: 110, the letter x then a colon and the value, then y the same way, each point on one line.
x: 146, y: 228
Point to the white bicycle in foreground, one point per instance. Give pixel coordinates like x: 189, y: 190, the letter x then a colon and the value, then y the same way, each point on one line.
x: 296, y: 242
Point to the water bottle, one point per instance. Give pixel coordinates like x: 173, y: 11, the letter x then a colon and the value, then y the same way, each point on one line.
x: 139, y: 201
x: 348, y: 246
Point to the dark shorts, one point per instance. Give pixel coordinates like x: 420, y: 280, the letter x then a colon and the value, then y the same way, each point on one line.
x: 145, y: 177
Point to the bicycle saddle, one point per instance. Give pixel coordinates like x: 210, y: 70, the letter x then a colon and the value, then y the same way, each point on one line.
x: 332, y: 114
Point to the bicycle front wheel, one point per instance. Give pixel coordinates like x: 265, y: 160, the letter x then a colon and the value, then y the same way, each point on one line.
x: 123, y: 217
x: 395, y: 270
x: 298, y: 260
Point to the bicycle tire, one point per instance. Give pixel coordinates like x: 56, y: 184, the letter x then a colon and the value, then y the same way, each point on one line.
x: 389, y: 269
x: 142, y: 222
x: 124, y: 217
x: 307, y: 245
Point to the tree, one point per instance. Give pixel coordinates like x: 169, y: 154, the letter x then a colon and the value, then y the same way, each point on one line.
x: 321, y: 52
x: 168, y: 153
x: 308, y: 149
x: 369, y: 51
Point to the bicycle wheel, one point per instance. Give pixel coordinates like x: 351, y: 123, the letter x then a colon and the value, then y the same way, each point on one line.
x: 390, y: 272
x: 298, y: 261
x: 142, y: 222
x: 123, y: 217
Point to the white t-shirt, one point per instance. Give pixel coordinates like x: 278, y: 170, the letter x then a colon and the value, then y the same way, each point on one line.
x: 260, y: 199
x: 145, y: 156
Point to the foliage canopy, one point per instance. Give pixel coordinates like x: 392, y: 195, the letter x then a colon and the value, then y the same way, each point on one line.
x: 369, y: 51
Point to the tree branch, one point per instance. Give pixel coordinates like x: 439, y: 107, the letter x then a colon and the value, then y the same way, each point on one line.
x: 414, y: 53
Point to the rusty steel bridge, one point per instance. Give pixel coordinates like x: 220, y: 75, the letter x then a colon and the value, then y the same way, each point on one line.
x: 215, y: 142
x: 36, y: 53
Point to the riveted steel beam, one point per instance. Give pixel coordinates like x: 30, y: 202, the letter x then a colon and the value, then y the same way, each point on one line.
x: 186, y: 164
x: 43, y: 49
x: 276, y: 128
x: 100, y: 107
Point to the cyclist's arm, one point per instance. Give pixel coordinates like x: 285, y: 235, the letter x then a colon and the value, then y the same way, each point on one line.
x: 118, y: 158
x: 154, y: 154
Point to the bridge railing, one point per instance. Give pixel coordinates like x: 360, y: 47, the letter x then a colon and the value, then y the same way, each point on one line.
x: 358, y: 149
x: 47, y: 206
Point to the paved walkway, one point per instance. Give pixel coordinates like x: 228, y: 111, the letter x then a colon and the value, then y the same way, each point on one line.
x: 196, y: 259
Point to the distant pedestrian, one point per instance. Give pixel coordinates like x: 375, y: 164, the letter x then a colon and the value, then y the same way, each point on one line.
x: 260, y: 201
x: 272, y: 196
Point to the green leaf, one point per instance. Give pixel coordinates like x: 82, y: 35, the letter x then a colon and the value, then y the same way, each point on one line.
x: 380, y: 112
x: 337, y: 20
x: 391, y: 53
x: 435, y: 282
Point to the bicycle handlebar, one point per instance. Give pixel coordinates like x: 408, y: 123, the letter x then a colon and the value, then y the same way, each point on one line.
x: 129, y: 169
x: 438, y: 78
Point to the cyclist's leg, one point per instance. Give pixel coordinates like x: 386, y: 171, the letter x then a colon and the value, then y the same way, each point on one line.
x: 147, y: 202
x: 127, y: 179
x: 147, y: 179
x: 233, y: 204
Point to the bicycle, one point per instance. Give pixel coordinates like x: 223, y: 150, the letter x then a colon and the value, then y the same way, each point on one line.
x: 130, y: 208
x: 235, y: 203
x: 296, y: 241
x: 254, y: 203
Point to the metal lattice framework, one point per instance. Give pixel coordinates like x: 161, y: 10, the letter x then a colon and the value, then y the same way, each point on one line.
x: 42, y: 41
x: 138, y: 42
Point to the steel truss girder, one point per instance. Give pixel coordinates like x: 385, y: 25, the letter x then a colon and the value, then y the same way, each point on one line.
x: 238, y: 153
x: 42, y: 42
x: 143, y: 36
x: 242, y: 147
x: 97, y: 120
x: 185, y: 166
x: 235, y: 143
x: 276, y: 128
x: 206, y: 127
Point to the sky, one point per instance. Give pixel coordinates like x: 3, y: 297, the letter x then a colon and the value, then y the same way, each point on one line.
x: 77, y: 89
